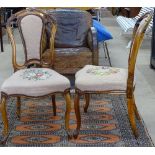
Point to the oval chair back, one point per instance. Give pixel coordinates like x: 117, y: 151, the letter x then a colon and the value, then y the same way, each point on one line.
x: 32, y: 25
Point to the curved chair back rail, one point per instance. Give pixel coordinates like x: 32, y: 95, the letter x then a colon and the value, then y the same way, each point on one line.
x: 138, y: 35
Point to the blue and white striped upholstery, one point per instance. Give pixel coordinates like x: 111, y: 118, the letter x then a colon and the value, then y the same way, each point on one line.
x: 127, y: 24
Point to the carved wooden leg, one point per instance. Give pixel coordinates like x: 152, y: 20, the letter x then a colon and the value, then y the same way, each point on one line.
x: 68, y: 110
x: 131, y: 115
x: 135, y: 109
x: 4, y: 116
x: 18, y: 104
x: 54, y: 105
x: 87, y: 100
x: 77, y: 113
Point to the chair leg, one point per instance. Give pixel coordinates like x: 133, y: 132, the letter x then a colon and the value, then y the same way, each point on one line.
x: 87, y: 100
x: 68, y: 110
x: 77, y: 113
x: 18, y: 104
x: 54, y: 105
x: 131, y: 115
x: 4, y: 116
x: 135, y: 110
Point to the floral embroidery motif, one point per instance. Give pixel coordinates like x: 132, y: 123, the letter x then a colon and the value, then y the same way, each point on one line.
x: 36, y: 74
x: 102, y: 71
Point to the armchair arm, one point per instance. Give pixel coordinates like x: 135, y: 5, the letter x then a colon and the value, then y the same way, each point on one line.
x: 93, y: 44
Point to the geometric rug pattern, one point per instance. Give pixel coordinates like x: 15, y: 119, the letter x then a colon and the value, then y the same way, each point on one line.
x: 105, y: 124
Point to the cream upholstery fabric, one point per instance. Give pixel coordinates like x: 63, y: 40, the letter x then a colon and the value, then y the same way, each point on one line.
x: 35, y: 82
x: 31, y: 26
x: 99, y: 78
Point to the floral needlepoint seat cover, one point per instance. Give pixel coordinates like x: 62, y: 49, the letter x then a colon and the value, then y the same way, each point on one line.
x: 35, y: 82
x: 100, y: 78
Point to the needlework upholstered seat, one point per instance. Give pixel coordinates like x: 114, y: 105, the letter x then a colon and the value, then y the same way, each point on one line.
x: 35, y: 82
x: 98, y: 78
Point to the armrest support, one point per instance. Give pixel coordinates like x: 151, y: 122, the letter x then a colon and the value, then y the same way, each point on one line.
x: 93, y: 44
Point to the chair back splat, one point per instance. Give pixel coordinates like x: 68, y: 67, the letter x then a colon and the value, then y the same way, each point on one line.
x: 35, y: 23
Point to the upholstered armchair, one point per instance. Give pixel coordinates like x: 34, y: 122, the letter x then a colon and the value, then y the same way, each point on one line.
x: 75, y: 40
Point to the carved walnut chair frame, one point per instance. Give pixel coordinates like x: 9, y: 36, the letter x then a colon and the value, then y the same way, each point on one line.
x: 38, y: 62
x: 138, y: 35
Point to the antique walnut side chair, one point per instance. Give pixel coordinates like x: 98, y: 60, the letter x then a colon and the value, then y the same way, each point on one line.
x: 100, y: 79
x: 34, y: 78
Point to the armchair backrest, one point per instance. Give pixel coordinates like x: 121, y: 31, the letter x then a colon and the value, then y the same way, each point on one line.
x: 31, y: 24
x: 137, y: 38
x: 72, y: 27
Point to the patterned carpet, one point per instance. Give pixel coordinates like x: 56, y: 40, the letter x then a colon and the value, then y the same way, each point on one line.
x: 105, y: 124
